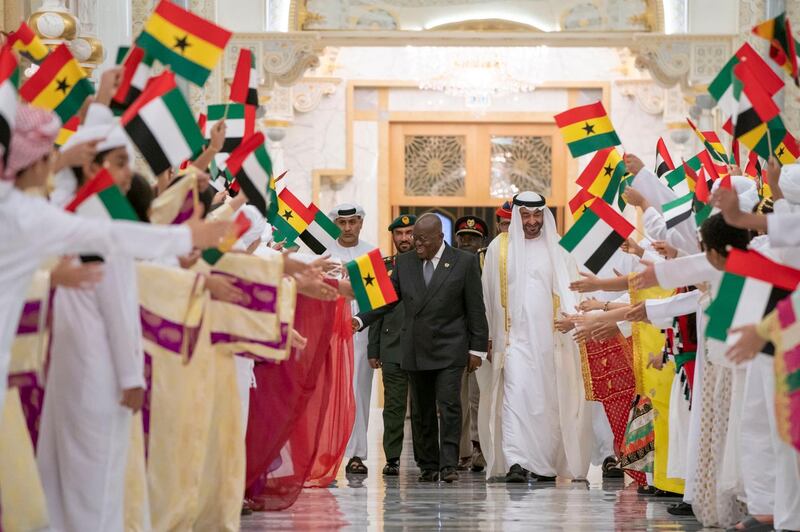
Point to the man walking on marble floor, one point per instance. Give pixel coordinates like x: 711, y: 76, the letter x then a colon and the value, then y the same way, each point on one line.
x: 350, y: 219
x: 444, y: 330
x: 385, y: 352
x: 533, y: 418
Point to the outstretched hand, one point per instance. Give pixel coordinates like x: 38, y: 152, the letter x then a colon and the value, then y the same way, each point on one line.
x: 589, y: 283
x: 647, y: 277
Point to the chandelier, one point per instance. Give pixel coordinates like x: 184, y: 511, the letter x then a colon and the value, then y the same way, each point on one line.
x: 479, y: 74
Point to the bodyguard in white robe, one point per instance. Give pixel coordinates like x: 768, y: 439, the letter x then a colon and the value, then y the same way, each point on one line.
x: 362, y: 371
x: 532, y: 412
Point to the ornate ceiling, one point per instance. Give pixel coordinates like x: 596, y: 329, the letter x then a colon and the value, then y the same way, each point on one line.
x: 480, y: 15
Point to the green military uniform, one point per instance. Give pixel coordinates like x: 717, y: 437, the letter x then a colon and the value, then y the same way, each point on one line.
x: 384, y: 344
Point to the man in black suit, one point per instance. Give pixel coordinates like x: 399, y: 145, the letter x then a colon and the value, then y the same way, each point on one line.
x: 444, y: 330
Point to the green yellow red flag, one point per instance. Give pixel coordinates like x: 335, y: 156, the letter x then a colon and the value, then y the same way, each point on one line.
x: 586, y: 129
x: 371, y: 283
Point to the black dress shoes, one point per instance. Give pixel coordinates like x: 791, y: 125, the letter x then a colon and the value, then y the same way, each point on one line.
x: 681, y: 508
x: 516, y: 475
x: 428, y: 475
x: 392, y: 468
x: 542, y: 478
x: 449, y: 474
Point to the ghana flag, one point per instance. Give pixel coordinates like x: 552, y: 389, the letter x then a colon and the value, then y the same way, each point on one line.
x: 67, y: 130
x: 751, y: 287
x: 596, y: 236
x: 291, y: 218
x: 586, y: 129
x: 579, y: 203
x: 189, y: 44
x: 244, y: 88
x: 783, y: 47
x: 787, y: 151
x: 9, y: 76
x: 101, y: 198
x: 711, y: 142
x: 27, y: 43
x: 371, y: 283
x: 161, y: 125
x: 602, y: 177
x: 240, y: 226
x: 60, y: 84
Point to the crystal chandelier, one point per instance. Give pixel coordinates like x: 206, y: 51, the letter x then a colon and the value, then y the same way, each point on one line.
x: 479, y: 75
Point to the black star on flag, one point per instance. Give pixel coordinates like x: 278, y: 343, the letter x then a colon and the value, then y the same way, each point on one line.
x: 369, y: 279
x: 781, y: 151
x: 287, y: 214
x: 607, y: 170
x: 63, y: 85
x: 182, y: 43
x: 588, y: 128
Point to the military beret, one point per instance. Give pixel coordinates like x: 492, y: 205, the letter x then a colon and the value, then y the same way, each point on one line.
x: 471, y: 224
x: 404, y: 220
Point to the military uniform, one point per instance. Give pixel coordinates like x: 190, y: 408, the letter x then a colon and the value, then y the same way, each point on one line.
x: 469, y: 447
x: 384, y: 344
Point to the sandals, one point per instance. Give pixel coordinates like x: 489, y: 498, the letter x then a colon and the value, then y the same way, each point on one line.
x: 356, y: 467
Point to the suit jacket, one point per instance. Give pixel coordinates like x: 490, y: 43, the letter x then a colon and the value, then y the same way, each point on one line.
x: 443, y: 321
x: 384, y: 334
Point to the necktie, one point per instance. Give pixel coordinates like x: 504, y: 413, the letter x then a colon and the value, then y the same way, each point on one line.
x: 427, y: 271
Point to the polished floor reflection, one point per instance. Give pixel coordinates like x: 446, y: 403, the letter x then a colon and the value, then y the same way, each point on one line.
x: 397, y: 503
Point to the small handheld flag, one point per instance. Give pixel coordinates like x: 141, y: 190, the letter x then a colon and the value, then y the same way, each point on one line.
x: 596, y: 236
x: 663, y: 160
x: 783, y: 47
x: 251, y: 167
x: 244, y: 88
x: 101, y: 198
x: 579, y: 203
x: 721, y: 87
x: 602, y: 177
x: 60, y: 84
x: 755, y: 108
x: 189, y: 44
x: 586, y: 129
x: 9, y: 75
x: 711, y: 142
x: 67, y: 130
x: 27, y: 43
x: 162, y: 126
x: 135, y: 75
x: 751, y: 287
x: 370, y: 281
x: 240, y: 226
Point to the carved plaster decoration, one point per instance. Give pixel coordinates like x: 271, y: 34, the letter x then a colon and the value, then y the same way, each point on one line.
x: 308, y: 93
x: 140, y: 10
x: 649, y: 96
x: 684, y: 61
x: 286, y: 59
x: 279, y: 106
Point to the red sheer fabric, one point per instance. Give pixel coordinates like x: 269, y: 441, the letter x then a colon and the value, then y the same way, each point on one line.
x: 340, y: 416
x: 295, y: 427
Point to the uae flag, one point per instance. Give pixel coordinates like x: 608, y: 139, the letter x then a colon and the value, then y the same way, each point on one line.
x: 161, y: 125
x: 682, y: 179
x: 596, y: 236
x: 721, y: 87
x: 251, y: 167
x: 101, y: 198
x: 679, y: 210
x: 135, y: 75
x: 294, y: 220
x: 371, y: 283
x: 751, y: 287
x: 9, y: 76
x: 756, y: 107
x: 240, y: 123
x: 663, y: 160
x: 244, y: 88
x: 321, y: 233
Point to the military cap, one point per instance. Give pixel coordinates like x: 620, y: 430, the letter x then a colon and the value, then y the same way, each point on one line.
x: 504, y: 211
x: 471, y: 224
x: 404, y: 220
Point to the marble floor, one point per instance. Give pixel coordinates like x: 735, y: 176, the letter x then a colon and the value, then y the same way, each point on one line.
x: 398, y: 503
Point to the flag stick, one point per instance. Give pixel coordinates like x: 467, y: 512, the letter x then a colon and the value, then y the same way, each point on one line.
x: 769, y: 143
